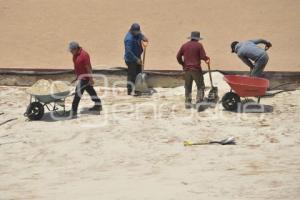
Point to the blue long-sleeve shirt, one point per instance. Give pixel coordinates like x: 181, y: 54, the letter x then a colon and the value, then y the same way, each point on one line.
x: 133, y: 47
x: 248, y: 51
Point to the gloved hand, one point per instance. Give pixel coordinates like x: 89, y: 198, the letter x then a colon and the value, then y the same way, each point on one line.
x: 268, y: 45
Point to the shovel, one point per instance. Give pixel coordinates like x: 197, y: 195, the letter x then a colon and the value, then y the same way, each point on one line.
x: 141, y: 79
x: 227, y: 141
x: 213, y: 93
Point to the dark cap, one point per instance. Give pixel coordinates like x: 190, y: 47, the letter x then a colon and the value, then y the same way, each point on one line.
x: 233, y: 44
x: 135, y: 27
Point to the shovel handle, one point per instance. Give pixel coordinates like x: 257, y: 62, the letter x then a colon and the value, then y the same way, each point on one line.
x: 210, y: 78
x: 189, y: 143
x: 144, y: 58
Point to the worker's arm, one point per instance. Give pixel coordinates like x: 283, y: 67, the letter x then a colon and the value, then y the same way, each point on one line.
x: 128, y: 53
x: 90, y: 73
x: 262, y: 41
x: 203, y: 55
x: 88, y: 67
x: 247, y: 61
x: 145, y: 39
x: 179, y: 56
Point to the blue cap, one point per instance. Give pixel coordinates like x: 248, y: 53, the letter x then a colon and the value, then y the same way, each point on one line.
x: 135, y: 27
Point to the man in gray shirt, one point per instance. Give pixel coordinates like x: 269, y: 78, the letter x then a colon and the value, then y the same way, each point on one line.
x: 252, y: 55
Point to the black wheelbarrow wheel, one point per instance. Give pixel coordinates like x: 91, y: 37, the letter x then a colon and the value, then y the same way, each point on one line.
x: 230, y: 101
x: 35, y: 111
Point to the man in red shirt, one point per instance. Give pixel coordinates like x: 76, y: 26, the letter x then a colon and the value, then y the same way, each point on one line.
x: 190, y: 56
x: 84, y: 76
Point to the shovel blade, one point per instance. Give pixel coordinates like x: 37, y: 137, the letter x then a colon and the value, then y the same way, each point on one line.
x: 141, y: 83
x: 228, y: 141
x: 213, y: 94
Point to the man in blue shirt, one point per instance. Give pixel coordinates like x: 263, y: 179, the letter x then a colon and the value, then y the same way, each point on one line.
x: 133, y: 50
x: 252, y: 55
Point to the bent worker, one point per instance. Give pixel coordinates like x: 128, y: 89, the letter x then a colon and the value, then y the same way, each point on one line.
x: 190, y: 56
x: 252, y: 55
x: 84, y: 78
x: 133, y: 50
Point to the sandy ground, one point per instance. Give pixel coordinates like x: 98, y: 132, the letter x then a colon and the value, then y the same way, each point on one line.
x: 134, y: 150
x: 35, y: 33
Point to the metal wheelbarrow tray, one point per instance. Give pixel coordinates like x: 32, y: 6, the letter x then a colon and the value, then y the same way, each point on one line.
x: 243, y: 86
x: 53, y: 102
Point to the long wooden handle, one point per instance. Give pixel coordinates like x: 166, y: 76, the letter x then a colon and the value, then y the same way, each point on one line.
x: 144, y: 57
x: 210, y: 78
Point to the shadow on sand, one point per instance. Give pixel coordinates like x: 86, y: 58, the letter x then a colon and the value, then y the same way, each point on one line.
x: 251, y: 106
x: 246, y: 106
x: 55, y: 116
x: 62, y: 116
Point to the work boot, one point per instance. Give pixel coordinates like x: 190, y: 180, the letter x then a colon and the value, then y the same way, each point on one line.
x: 188, y: 100
x: 188, y: 104
x: 137, y: 94
x: 96, y: 108
x: 200, y: 95
x: 200, y: 106
x: 71, y: 114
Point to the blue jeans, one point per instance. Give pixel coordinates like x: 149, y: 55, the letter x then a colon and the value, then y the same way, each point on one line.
x: 260, y: 65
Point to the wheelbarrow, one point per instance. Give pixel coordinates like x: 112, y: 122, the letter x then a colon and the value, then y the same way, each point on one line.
x: 52, y: 102
x: 243, y: 86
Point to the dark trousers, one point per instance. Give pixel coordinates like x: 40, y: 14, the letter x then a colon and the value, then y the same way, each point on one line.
x: 196, y: 76
x: 84, y: 85
x: 133, y: 70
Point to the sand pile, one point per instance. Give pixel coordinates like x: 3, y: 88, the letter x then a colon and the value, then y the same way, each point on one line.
x: 46, y: 87
x: 218, y: 81
x: 131, y: 151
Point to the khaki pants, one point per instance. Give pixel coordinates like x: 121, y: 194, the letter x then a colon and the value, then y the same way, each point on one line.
x: 196, y: 76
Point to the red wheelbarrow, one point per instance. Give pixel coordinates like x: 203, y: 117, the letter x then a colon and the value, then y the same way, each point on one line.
x: 243, y: 86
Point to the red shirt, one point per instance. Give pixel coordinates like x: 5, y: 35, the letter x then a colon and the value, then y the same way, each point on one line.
x: 192, y: 52
x: 82, y: 64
